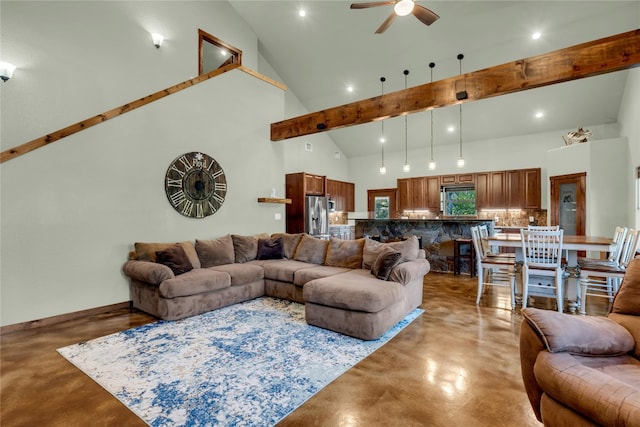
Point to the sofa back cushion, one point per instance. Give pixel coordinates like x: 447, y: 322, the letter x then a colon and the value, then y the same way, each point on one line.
x: 408, y: 249
x: 344, y: 253
x: 147, y: 252
x: 627, y: 300
x: 245, y: 248
x: 215, y: 252
x: 311, y: 249
x: 290, y: 243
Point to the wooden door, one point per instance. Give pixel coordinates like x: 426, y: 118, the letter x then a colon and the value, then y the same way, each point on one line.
x: 389, y: 194
x: 568, y: 202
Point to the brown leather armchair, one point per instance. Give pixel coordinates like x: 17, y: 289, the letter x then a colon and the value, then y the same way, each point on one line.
x: 585, y: 371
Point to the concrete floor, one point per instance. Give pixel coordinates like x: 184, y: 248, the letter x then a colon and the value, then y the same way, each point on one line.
x: 456, y: 365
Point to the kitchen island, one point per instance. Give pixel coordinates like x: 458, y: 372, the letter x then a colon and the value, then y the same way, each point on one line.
x: 436, y: 236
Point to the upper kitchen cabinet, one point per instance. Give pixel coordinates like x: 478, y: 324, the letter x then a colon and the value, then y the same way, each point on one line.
x: 532, y: 191
x: 462, y: 178
x: 342, y: 193
x: 315, y: 184
x: 421, y: 193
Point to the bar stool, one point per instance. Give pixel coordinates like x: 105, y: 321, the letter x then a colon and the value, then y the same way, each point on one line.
x: 463, y: 249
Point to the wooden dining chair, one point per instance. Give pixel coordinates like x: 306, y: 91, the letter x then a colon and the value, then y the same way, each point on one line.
x: 493, y: 268
x: 602, y: 279
x: 542, y: 257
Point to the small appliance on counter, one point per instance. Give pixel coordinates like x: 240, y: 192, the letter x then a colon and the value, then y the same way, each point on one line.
x: 317, y: 217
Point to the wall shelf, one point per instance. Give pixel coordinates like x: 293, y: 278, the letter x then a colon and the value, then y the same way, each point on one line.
x: 273, y: 200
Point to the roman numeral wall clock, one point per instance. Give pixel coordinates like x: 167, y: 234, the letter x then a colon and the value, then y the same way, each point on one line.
x: 195, y: 185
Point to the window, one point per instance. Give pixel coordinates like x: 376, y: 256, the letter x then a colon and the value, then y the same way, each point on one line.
x: 381, y: 205
x: 459, y: 201
x: 214, y: 53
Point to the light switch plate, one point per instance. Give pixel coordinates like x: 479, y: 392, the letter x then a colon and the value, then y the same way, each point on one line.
x: 278, y: 216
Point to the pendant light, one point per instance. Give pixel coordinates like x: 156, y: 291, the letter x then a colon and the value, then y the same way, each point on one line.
x: 383, y: 169
x: 405, y: 168
x: 460, y: 96
x: 432, y: 163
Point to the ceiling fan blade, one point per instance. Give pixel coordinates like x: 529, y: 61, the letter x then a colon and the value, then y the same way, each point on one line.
x: 382, y: 28
x: 371, y: 4
x: 426, y: 16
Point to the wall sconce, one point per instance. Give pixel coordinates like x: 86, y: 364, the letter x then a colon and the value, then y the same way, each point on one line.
x: 6, y: 70
x: 157, y: 39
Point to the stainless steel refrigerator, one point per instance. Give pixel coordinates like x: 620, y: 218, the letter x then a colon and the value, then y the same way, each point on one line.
x: 317, y: 217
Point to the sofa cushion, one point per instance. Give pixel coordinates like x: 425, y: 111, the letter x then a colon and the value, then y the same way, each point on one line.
x: 593, y: 336
x: 245, y: 248
x: 344, y: 253
x: 283, y: 270
x: 290, y: 243
x: 370, y: 252
x: 241, y: 273
x: 147, y: 251
x: 175, y: 258
x: 627, y: 299
x: 409, y: 248
x: 354, y: 290
x: 384, y: 263
x: 302, y: 276
x: 194, y: 282
x: 311, y: 249
x: 215, y: 252
x: 272, y: 248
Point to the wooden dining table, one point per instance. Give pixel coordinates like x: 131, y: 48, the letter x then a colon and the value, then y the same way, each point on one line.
x: 571, y: 244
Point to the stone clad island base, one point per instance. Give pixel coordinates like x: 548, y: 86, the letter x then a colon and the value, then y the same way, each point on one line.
x: 356, y: 287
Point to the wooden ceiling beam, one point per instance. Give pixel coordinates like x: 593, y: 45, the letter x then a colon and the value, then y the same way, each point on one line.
x: 589, y: 59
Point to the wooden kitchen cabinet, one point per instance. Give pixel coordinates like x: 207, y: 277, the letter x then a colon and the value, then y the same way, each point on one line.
x: 404, y: 194
x: 433, y: 193
x: 418, y: 193
x: 482, y: 190
x: 497, y: 191
x: 515, y: 188
x: 342, y: 193
x: 462, y: 178
x: 314, y: 184
x: 532, y: 191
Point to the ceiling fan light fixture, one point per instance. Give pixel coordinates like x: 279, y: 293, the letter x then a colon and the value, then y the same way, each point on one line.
x: 403, y: 7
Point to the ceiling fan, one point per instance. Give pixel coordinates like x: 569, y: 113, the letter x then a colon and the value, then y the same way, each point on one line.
x: 400, y: 8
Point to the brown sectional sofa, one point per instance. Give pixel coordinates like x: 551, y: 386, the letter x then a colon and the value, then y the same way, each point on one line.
x: 356, y: 287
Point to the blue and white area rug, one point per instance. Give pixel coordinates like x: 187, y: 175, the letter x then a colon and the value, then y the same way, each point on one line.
x: 248, y: 364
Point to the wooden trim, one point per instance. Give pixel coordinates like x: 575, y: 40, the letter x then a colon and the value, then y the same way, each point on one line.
x: 605, y: 55
x: 273, y: 200
x: 12, y: 153
x: 262, y: 77
x: 48, y: 321
x: 235, y: 53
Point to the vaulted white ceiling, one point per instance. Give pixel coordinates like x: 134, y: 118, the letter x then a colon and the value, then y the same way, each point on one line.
x: 332, y: 47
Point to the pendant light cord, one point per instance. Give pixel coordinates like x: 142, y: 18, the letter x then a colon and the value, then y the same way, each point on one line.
x: 431, y: 65
x: 460, y: 56
x: 406, y: 159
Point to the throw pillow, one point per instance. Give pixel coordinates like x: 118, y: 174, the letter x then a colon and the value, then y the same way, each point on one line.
x: 387, y: 259
x: 311, y: 249
x: 175, y: 258
x: 344, y: 253
x: 290, y: 243
x: 147, y: 251
x: 272, y: 248
x: 215, y: 252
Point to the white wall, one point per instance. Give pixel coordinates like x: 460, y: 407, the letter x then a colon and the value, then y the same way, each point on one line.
x: 629, y: 119
x: 72, y: 210
x: 322, y: 160
x: 519, y: 152
x: 606, y: 185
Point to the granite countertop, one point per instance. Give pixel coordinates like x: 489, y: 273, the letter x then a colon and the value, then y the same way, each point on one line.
x: 429, y: 219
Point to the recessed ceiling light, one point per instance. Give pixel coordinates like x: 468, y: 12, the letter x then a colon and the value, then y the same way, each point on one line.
x: 539, y: 115
x: 349, y: 88
x: 223, y: 52
x: 451, y: 128
x: 536, y: 35
x: 302, y: 12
